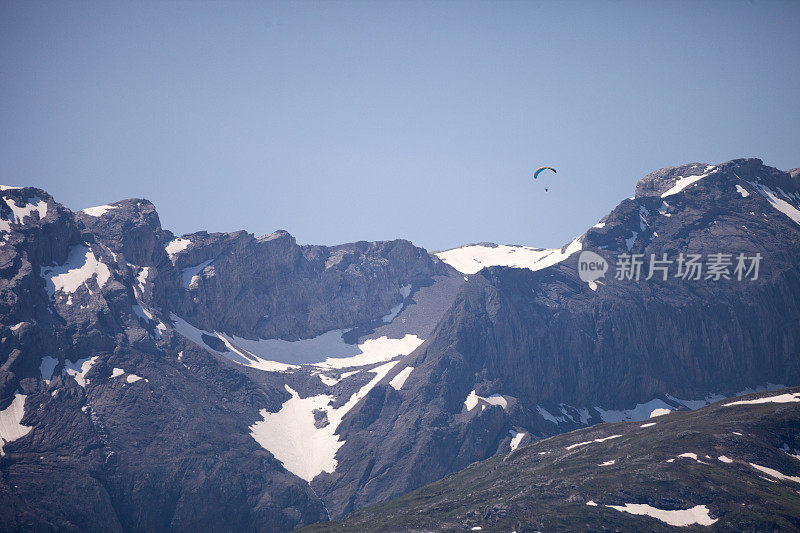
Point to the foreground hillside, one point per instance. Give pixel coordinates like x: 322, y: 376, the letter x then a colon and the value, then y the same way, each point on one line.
x: 730, y: 466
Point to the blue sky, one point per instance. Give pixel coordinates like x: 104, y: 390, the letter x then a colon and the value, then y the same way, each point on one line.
x: 342, y: 121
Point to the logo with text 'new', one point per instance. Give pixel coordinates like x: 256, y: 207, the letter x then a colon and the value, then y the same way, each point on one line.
x: 713, y: 267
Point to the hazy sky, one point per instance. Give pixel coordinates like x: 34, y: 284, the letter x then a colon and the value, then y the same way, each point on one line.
x: 342, y: 121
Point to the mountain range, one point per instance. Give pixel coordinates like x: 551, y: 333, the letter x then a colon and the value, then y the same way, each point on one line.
x: 211, y: 381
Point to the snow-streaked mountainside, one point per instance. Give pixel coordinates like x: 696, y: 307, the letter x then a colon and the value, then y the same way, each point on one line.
x: 147, y: 375
x: 727, y: 467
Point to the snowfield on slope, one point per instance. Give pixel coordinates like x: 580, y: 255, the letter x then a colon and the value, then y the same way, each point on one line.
x: 470, y: 259
x: 81, y: 265
x: 781, y: 398
x: 699, y: 514
x: 291, y: 434
x: 34, y: 204
x: 175, y: 246
x: 10, y: 417
x: 682, y: 183
x: 293, y: 438
x: 399, y: 380
x: 326, y: 351
x: 783, y: 206
x: 98, y: 211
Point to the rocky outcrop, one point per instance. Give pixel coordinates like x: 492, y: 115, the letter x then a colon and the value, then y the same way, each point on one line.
x: 270, y: 287
x: 130, y: 228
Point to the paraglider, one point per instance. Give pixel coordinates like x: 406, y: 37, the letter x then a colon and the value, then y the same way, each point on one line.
x: 540, y: 169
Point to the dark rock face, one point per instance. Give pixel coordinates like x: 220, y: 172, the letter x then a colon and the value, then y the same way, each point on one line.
x: 546, y: 339
x: 131, y: 228
x: 283, y: 290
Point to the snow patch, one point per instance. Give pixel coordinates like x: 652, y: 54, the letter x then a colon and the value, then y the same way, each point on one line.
x: 516, y: 438
x: 243, y: 357
x: 34, y: 204
x: 643, y: 214
x: 293, y: 438
x: 98, y: 211
x: 781, y: 398
x: 547, y: 416
x: 133, y: 378
x: 682, y: 183
x: 741, y: 190
x: 188, y: 274
x: 608, y: 463
x: 329, y: 381
x: 629, y: 242
x: 79, y: 369
x: 142, y: 312
x: 775, y: 474
x: 399, y: 380
x: 47, y: 367
x: 584, y: 443
x: 642, y: 411
x: 141, y: 279
x: 649, y: 424
x: 470, y: 259
x: 117, y: 372
x: 176, y: 246
x: 10, y: 417
x: 80, y: 267
x: 405, y: 291
x: 725, y: 459
x: 690, y: 455
x: 781, y: 205
x: 699, y: 514
x: 393, y: 312
x: 473, y: 400
x: 660, y: 412
x: 327, y: 351
x: 375, y: 351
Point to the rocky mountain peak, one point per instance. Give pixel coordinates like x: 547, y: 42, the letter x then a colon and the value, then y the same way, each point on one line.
x: 130, y: 227
x: 672, y: 180
x: 277, y: 235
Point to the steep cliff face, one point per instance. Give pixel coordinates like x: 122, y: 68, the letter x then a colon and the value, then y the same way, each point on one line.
x: 537, y: 351
x: 269, y: 287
